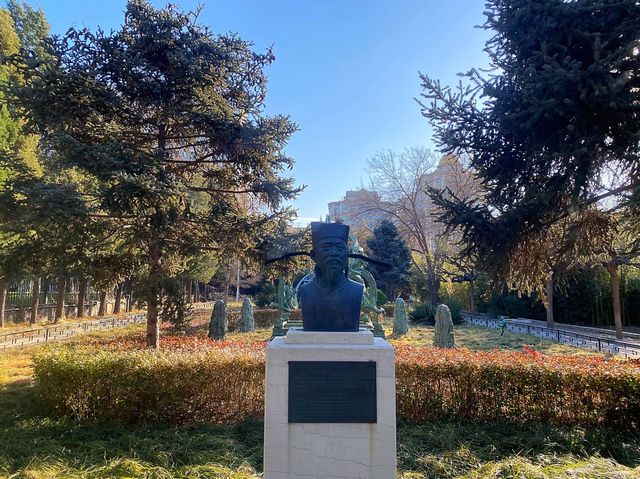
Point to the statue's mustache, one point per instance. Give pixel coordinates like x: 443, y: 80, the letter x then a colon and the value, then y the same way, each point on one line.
x: 335, y: 259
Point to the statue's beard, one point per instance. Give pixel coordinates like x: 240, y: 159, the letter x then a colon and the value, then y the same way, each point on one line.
x: 332, y: 276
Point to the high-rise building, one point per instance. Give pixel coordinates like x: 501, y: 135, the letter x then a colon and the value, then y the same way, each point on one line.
x: 356, y: 209
x: 450, y: 174
x: 364, y: 208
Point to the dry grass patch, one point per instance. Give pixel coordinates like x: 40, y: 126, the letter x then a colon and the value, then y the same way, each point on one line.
x: 478, y: 338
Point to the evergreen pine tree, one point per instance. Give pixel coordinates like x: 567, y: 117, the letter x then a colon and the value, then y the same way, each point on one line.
x: 165, y: 120
x: 557, y: 114
x: 387, y: 244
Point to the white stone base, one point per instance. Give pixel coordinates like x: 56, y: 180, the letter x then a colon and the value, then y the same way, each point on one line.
x: 329, y: 450
x: 300, y: 336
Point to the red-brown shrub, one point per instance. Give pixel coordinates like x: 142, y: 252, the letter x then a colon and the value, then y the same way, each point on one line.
x: 515, y: 386
x: 220, y: 384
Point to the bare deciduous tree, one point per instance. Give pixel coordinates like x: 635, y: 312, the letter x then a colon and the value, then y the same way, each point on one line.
x: 399, y: 184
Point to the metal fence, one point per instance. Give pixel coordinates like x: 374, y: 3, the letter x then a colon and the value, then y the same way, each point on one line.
x: 21, y: 296
x: 594, y: 342
x: 51, y: 333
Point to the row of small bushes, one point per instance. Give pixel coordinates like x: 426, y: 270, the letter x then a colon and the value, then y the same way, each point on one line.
x: 527, y: 386
x: 223, y: 382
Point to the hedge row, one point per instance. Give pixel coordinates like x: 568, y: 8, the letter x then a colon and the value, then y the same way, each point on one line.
x: 220, y: 385
x: 223, y: 382
x: 520, y: 387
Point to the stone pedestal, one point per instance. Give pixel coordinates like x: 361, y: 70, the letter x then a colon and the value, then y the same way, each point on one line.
x: 329, y: 450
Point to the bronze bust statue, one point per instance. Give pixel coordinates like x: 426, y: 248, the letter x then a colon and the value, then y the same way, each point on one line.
x: 331, y: 302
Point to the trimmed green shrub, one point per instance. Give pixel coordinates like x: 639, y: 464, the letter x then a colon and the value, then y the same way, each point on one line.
x: 425, y: 313
x: 456, y: 310
x: 389, y: 309
x: 223, y: 383
x: 266, y: 296
x: 264, y: 318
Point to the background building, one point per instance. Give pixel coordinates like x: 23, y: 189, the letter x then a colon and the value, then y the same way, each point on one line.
x: 350, y: 209
x: 365, y: 208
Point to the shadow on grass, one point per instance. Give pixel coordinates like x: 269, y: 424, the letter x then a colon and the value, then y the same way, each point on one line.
x: 28, y: 438
x: 442, y: 449
x: 35, y: 445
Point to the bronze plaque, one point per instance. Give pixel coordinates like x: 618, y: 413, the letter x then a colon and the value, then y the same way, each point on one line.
x: 332, y: 391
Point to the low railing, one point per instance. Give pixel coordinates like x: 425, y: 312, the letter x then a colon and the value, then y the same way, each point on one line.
x: 599, y: 343
x: 50, y: 333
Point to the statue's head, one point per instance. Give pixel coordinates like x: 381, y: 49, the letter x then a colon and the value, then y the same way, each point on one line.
x: 329, y: 249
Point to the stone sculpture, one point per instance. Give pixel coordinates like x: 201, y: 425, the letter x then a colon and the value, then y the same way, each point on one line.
x: 400, y: 320
x: 359, y: 273
x: 247, y: 324
x: 218, y: 324
x: 443, y: 337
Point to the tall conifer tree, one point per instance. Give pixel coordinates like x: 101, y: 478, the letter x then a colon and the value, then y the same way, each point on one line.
x: 386, y: 243
x: 167, y: 118
x: 558, y: 115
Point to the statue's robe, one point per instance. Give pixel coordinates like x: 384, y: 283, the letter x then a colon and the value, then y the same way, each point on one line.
x: 331, y: 310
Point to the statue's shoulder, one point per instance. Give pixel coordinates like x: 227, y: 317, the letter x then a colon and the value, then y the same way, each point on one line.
x: 354, y: 285
x: 308, y: 288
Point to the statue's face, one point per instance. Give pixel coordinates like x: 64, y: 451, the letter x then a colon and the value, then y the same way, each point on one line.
x: 330, y: 254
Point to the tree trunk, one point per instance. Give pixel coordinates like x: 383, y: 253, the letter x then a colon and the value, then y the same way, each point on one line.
x: 35, y: 302
x: 155, y: 277
x: 3, y: 299
x: 615, y: 294
x: 82, y: 295
x: 62, y: 289
x: 472, y: 296
x: 433, y: 286
x: 118, y: 299
x: 227, y: 281
x: 549, y: 302
x: 128, y: 292
x: 102, y: 310
x: 238, y: 281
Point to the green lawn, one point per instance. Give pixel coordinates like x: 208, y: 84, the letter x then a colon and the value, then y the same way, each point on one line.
x: 35, y: 446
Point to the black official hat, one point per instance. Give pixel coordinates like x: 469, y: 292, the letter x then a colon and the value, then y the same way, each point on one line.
x: 321, y: 230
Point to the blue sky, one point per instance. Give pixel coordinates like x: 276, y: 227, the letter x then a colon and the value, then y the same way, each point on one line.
x: 346, y: 71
